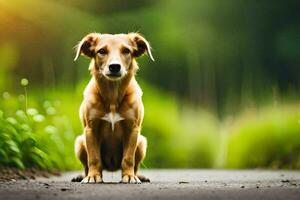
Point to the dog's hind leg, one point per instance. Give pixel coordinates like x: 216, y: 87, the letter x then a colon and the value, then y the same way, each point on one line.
x: 139, y: 157
x: 81, y: 154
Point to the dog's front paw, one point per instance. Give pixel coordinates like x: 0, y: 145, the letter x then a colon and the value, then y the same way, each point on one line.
x: 131, y: 179
x: 92, y: 178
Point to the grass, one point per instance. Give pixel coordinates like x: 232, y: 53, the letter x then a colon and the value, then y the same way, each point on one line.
x: 266, y: 138
x: 20, y: 147
x: 33, y: 139
x: 177, y: 138
x: 179, y: 135
x: 38, y: 136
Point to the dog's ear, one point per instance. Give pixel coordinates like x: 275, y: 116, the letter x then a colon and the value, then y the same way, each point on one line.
x: 141, y: 45
x: 87, y: 45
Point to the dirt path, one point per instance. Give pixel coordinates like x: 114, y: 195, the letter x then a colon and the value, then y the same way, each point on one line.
x: 166, y: 184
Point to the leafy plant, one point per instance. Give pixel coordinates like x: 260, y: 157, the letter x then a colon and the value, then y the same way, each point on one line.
x: 37, y: 137
x: 269, y: 138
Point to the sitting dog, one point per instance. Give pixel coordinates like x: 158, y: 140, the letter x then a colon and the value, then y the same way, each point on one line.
x: 112, y: 109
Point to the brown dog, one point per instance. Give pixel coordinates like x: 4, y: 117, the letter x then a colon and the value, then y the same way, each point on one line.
x: 112, y: 109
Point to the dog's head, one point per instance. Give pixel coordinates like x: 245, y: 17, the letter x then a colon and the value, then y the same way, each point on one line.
x: 113, y: 55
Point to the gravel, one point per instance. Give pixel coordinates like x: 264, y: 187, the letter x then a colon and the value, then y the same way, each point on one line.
x: 165, y: 184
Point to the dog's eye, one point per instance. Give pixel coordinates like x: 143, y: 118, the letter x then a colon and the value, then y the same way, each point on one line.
x: 102, y: 51
x: 126, y: 51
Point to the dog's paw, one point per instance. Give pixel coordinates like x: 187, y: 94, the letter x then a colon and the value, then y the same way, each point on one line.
x: 92, y: 179
x: 131, y: 179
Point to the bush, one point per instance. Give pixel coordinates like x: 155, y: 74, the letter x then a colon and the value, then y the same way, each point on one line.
x: 18, y: 144
x: 40, y: 137
x: 269, y: 138
x: 35, y: 140
x: 177, y: 136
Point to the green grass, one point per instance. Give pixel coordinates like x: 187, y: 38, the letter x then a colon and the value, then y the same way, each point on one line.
x: 20, y: 146
x: 36, y: 139
x: 266, y: 138
x: 179, y: 135
x: 177, y: 138
x: 38, y: 136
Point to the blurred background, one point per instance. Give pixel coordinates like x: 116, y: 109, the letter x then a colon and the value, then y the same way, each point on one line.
x: 222, y: 93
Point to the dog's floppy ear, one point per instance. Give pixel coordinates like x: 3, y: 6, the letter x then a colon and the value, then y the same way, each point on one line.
x: 87, y: 45
x: 141, y: 45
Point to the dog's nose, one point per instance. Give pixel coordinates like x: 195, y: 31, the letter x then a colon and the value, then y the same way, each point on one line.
x: 114, y: 68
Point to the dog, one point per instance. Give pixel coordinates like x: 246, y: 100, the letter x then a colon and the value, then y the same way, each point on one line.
x: 112, y: 110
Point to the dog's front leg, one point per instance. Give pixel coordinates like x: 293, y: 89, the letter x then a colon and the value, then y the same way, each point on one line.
x: 130, y: 145
x: 94, y: 161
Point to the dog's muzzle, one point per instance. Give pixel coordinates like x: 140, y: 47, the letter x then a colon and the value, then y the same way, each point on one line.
x: 114, y: 70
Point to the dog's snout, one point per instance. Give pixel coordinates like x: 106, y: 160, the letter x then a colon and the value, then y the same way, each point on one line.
x: 114, y: 68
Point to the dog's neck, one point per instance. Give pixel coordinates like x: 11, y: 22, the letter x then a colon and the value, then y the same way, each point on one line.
x: 112, y: 92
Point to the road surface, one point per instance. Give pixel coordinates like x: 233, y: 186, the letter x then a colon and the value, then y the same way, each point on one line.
x: 165, y: 184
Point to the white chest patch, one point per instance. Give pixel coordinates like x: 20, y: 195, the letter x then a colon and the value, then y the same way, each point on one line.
x: 112, y: 118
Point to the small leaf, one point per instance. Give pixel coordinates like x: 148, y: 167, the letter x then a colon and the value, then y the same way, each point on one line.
x: 12, y: 120
x: 17, y: 162
x: 13, y: 146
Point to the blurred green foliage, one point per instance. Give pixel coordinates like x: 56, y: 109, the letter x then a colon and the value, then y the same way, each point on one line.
x: 266, y: 138
x: 191, y: 137
x: 19, y: 145
x: 214, y: 54
x: 215, y: 61
x: 39, y: 137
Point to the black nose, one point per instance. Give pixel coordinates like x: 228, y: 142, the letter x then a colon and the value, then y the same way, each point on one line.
x: 114, y: 68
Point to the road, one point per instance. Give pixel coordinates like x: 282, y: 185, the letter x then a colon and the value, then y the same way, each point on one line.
x: 165, y: 184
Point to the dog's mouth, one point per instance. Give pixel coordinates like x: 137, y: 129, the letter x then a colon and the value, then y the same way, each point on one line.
x: 113, y: 76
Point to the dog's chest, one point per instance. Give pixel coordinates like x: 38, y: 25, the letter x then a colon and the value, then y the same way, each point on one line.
x: 114, y: 117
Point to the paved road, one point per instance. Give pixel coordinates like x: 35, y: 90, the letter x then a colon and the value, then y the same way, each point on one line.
x: 165, y: 184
